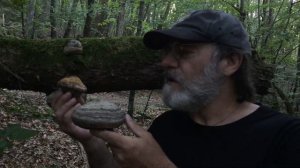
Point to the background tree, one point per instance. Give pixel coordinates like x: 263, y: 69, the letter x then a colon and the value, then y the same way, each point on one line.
x: 53, y: 19
x: 71, y: 19
x: 88, y: 21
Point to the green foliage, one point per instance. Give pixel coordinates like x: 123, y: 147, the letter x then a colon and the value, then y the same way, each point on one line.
x: 107, y: 22
x: 19, y: 3
x: 14, y: 132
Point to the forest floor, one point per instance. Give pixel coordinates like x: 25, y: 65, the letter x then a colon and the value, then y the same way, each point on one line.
x: 50, y: 148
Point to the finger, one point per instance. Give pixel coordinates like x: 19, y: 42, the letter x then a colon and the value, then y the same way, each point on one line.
x: 64, y: 109
x: 61, y: 100
x: 114, y: 139
x: 135, y: 128
x: 54, y: 97
x: 68, y: 115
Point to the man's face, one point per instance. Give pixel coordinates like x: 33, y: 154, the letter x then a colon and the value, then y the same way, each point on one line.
x: 192, y: 77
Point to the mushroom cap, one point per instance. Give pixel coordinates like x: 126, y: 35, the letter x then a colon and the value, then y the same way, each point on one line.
x: 73, y: 83
x: 98, y: 115
x: 73, y: 47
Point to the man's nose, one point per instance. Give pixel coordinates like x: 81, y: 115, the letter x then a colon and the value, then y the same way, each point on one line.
x: 169, y: 62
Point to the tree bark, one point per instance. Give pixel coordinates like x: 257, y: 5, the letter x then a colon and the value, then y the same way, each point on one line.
x: 30, y: 17
x: 295, y: 96
x: 164, y: 15
x: 297, y: 100
x: 70, y: 21
x: 131, y: 102
x: 53, y: 19
x: 23, y: 22
x: 121, y: 19
x: 140, y: 18
x: 3, y: 19
x: 88, y: 21
x: 102, y: 27
x: 105, y: 65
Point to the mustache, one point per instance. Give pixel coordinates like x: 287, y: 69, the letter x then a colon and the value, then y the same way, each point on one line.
x: 173, y: 76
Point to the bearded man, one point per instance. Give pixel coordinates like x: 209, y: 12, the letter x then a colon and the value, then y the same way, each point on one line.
x: 213, y: 122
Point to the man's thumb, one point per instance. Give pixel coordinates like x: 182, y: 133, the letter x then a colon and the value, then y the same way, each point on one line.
x: 135, y: 128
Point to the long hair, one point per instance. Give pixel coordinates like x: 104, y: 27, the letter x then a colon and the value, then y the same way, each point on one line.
x: 242, y: 77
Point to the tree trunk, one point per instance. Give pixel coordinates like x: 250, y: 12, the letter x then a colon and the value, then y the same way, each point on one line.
x: 243, y: 13
x: 140, y: 18
x: 147, y: 13
x: 70, y: 21
x: 105, y: 65
x: 256, y: 38
x: 165, y: 15
x: 30, y: 18
x: 121, y: 19
x: 131, y: 102
x: 88, y: 21
x: 44, y: 17
x: 287, y: 25
x: 167, y: 10
x: 23, y: 22
x: 296, y: 96
x: 297, y: 99
x: 3, y: 19
x: 102, y: 27
x: 154, y: 16
x: 53, y: 19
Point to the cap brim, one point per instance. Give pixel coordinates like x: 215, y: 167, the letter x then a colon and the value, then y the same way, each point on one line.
x: 158, y: 39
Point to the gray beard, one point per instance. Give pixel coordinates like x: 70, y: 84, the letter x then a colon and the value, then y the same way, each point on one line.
x: 195, y: 94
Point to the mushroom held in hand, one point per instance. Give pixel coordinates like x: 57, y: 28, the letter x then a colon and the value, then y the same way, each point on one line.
x: 71, y: 84
x: 98, y: 115
x: 74, y: 85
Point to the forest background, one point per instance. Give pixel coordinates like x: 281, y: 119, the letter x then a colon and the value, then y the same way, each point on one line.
x: 273, y: 26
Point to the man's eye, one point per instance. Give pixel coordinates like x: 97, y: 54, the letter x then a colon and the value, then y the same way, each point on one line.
x: 184, y: 53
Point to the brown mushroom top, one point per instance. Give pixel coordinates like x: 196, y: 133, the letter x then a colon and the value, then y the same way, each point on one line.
x: 73, y: 83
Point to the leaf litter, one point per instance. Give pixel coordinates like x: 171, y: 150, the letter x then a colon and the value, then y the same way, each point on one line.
x: 51, y: 147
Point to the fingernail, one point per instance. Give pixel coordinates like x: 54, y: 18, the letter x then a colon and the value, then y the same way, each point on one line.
x: 73, y: 100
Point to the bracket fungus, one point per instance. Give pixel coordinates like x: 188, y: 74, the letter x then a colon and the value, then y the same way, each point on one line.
x: 73, y: 47
x: 98, y: 115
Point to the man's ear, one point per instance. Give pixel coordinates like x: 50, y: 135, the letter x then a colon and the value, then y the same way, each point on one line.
x: 231, y: 64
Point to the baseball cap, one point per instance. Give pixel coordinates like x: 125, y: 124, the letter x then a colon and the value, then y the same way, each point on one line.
x: 202, y: 26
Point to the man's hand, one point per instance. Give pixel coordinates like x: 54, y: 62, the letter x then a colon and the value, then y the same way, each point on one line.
x: 98, y: 154
x: 64, y: 105
x: 141, y: 151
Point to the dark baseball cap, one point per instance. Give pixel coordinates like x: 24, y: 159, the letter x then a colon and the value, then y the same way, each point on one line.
x: 208, y: 26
